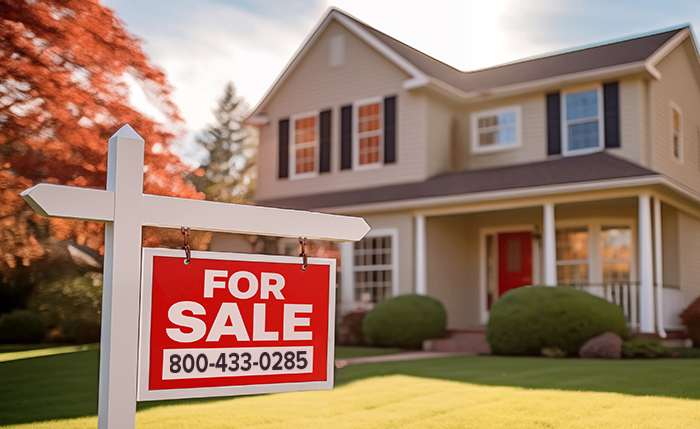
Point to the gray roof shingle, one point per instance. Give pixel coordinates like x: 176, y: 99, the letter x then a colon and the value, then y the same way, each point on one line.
x: 605, y: 55
x: 576, y: 169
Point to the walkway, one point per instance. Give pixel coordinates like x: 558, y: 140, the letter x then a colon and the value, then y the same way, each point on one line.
x: 396, y: 357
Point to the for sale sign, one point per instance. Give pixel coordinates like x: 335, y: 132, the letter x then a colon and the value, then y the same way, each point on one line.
x: 234, y: 324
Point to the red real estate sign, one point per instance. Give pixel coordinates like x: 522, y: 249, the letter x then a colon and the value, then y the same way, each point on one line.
x: 234, y: 324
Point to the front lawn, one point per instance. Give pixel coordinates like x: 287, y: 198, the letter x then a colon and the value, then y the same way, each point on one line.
x: 471, y: 391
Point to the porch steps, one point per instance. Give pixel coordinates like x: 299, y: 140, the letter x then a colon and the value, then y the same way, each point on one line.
x: 471, y: 341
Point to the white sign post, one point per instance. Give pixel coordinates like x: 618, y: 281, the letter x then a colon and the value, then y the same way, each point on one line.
x: 125, y: 209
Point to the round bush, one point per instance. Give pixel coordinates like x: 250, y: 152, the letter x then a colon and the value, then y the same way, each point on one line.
x: 22, y: 327
x: 526, y: 320
x: 405, y: 321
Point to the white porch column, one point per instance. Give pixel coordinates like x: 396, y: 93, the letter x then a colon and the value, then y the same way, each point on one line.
x: 549, y: 245
x: 658, y: 268
x: 646, y: 267
x: 347, y: 281
x: 421, y: 256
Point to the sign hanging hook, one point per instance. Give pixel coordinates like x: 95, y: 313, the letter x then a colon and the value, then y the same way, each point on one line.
x: 302, y: 241
x: 186, y: 247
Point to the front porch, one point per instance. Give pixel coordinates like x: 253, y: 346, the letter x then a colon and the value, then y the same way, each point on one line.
x: 611, y: 246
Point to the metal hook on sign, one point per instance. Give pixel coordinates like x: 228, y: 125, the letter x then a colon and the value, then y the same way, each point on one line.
x: 186, y: 247
x: 302, y: 241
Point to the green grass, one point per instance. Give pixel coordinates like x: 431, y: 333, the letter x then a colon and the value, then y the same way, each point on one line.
x: 26, y: 352
x: 64, y: 386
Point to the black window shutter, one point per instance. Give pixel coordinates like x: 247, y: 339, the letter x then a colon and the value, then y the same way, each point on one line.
x: 389, y: 130
x: 611, y: 106
x: 553, y: 124
x: 346, y: 137
x: 283, y: 141
x: 325, y: 149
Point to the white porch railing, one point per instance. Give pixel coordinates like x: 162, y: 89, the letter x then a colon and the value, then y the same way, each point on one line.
x: 623, y: 294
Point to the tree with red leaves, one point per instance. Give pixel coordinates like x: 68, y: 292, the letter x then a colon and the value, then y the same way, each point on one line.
x: 63, y: 93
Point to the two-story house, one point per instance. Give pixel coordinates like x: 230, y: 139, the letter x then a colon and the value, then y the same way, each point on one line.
x: 578, y: 169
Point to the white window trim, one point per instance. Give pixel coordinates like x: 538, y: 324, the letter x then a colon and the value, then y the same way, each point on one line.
x: 394, y: 234
x: 681, y: 146
x: 292, y: 152
x: 594, y: 227
x: 356, y: 134
x: 496, y: 148
x: 565, y: 151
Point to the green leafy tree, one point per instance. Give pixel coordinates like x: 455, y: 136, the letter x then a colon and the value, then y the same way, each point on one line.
x: 229, y: 173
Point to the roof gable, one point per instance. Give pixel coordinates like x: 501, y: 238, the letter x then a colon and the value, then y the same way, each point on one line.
x: 354, y: 27
x: 639, y: 53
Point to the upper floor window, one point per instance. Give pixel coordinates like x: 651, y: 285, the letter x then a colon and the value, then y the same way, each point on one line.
x: 495, y: 130
x: 676, y: 132
x: 304, y: 146
x: 582, y: 122
x: 368, y: 138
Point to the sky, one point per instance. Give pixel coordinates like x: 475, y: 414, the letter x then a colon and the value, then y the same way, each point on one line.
x: 203, y: 44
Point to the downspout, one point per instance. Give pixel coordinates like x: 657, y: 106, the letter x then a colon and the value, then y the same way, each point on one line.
x: 650, y: 126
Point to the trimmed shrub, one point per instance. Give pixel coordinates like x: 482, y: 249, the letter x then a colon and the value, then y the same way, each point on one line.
x: 691, y: 319
x: 22, y: 327
x: 644, y: 348
x: 405, y: 321
x: 606, y: 346
x: 527, y: 319
x: 72, y: 307
x: 350, y: 329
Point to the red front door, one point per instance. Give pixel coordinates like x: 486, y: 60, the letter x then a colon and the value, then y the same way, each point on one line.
x: 514, y: 260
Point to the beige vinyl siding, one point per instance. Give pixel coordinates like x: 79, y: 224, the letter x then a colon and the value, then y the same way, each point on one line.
x: 689, y: 229
x: 314, y: 86
x: 670, y: 246
x: 402, y: 222
x: 534, y: 133
x: 440, y: 116
x: 679, y: 84
x: 631, y: 120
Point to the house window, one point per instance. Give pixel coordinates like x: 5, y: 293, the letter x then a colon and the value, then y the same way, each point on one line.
x: 374, y: 268
x: 615, y: 253
x: 495, y: 130
x: 368, y: 138
x: 676, y: 132
x: 572, y: 256
x: 304, y: 146
x: 597, y: 254
x: 582, y: 127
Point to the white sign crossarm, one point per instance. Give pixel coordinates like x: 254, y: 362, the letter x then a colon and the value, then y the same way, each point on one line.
x: 238, y: 218
x: 68, y: 202
x: 96, y: 205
